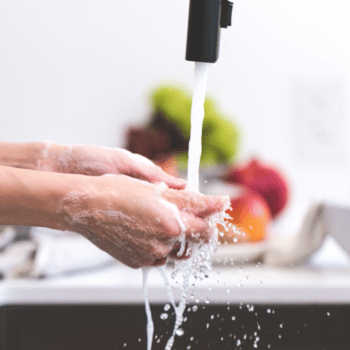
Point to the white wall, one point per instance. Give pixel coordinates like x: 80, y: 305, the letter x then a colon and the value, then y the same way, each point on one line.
x: 77, y: 71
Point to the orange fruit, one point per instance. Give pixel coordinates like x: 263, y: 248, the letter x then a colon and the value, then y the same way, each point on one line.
x: 250, y: 215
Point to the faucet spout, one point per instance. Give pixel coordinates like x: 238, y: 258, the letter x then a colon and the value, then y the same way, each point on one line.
x: 205, y: 19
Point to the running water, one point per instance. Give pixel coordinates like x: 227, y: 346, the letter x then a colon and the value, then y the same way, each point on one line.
x: 197, y: 116
x: 200, y: 260
x: 150, y: 325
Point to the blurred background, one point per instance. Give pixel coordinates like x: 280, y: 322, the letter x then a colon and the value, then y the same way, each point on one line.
x: 82, y: 71
x: 113, y: 73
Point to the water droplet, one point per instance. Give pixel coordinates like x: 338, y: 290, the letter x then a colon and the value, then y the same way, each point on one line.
x: 233, y: 318
x: 189, y: 347
x: 194, y: 308
x: 222, y: 338
x: 209, y: 287
x: 125, y: 344
x: 255, y: 345
x: 281, y: 325
x: 207, y: 301
x: 197, y: 300
x: 245, y: 337
x: 158, y: 341
x: 166, y: 307
x: 212, y: 317
x: 191, y: 338
x: 180, y: 332
x: 238, y: 343
x: 268, y: 311
x: 228, y: 291
x: 280, y: 336
x: 139, y: 339
x: 163, y: 316
x: 328, y: 313
x: 207, y: 325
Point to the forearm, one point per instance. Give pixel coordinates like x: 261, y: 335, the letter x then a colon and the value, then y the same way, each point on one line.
x: 20, y: 155
x: 31, y: 155
x: 31, y: 198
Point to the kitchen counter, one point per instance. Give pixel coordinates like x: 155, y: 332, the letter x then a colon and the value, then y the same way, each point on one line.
x: 305, y: 307
x: 325, y: 280
x: 247, y: 284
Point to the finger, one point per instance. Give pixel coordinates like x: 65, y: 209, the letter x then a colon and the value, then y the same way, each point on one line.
x: 185, y: 255
x: 196, y: 203
x: 197, y: 229
x: 144, y: 169
x: 160, y: 262
x: 156, y: 174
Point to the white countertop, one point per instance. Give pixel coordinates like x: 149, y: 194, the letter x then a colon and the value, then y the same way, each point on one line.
x: 325, y: 280
x: 250, y: 284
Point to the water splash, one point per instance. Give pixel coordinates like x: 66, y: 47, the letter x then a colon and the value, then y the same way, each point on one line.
x: 200, y: 259
x: 150, y: 325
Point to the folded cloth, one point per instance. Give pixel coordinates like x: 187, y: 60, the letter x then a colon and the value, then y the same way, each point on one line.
x: 321, y: 220
x: 63, y: 253
x: 36, y: 252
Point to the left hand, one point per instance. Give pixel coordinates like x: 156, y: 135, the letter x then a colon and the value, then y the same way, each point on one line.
x: 94, y: 160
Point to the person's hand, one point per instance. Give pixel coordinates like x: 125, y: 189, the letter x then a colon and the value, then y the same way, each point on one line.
x: 137, y: 222
x: 93, y: 160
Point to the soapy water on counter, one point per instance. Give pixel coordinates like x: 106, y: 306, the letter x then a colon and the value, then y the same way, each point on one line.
x: 200, y: 253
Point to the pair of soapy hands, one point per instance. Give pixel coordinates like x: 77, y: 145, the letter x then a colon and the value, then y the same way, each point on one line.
x: 135, y: 211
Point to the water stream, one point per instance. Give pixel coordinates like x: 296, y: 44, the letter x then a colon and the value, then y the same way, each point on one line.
x: 200, y: 259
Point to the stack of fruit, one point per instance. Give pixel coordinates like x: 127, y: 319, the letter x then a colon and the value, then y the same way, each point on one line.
x: 263, y: 195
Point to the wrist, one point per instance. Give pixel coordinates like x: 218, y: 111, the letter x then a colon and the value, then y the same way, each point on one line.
x: 32, y: 198
x: 52, y: 158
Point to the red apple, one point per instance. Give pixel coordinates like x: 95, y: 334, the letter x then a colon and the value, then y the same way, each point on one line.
x: 265, y: 180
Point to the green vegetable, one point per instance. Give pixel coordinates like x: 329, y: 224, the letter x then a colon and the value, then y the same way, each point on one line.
x: 221, y: 136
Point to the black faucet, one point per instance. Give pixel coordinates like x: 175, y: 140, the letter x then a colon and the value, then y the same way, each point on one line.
x: 205, y: 19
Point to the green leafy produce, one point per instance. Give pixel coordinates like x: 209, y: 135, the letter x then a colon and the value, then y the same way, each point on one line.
x: 221, y: 136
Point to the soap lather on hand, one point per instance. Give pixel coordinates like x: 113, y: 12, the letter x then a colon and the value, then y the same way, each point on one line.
x: 127, y: 213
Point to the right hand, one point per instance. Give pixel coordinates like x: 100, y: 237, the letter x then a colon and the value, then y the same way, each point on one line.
x: 137, y: 222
